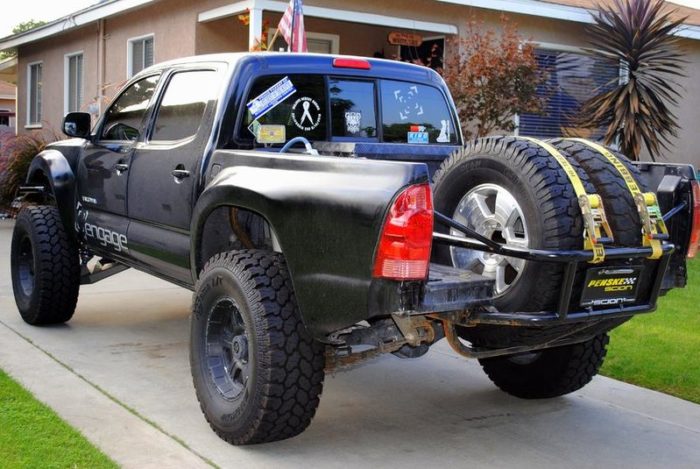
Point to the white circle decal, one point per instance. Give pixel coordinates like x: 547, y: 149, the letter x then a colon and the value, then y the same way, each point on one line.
x: 306, y: 113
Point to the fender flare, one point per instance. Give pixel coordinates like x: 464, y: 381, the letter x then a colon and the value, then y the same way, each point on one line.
x: 52, y: 165
x: 215, y: 196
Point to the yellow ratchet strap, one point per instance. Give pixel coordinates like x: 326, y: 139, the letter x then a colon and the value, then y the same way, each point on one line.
x: 595, y: 223
x: 653, y: 226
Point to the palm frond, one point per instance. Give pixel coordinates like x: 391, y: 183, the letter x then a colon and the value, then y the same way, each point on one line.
x: 638, y: 111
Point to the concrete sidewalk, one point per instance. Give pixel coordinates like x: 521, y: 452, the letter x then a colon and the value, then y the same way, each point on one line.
x: 119, y: 372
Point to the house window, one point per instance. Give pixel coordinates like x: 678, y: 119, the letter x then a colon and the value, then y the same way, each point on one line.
x: 572, y: 79
x: 34, y: 79
x: 74, y: 82
x: 318, y: 43
x: 4, y: 117
x: 430, y: 53
x: 140, y: 54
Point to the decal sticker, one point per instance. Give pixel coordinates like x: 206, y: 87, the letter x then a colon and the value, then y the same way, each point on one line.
x: 306, y: 113
x: 410, y: 103
x: 352, y: 122
x: 254, y: 127
x: 89, y: 200
x: 106, y: 237
x: 444, y: 136
x: 271, y: 97
x: 271, y: 134
x: 418, y: 135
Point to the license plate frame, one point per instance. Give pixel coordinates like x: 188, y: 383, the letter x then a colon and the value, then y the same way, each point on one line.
x: 610, y: 286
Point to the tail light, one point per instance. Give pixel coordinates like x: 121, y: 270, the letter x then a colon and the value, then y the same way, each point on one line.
x: 407, y: 235
x: 695, y: 229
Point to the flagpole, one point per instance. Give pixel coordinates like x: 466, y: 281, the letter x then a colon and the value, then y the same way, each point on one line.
x: 274, y: 37
x: 294, y: 18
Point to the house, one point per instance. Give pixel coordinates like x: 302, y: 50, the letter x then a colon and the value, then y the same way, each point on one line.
x: 80, y: 61
x: 8, y: 99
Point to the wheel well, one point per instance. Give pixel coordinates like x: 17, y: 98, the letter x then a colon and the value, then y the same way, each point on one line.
x: 39, y: 178
x: 230, y: 228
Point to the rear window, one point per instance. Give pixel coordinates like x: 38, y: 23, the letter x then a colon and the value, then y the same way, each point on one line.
x: 281, y: 107
x: 416, y: 114
x: 353, y: 113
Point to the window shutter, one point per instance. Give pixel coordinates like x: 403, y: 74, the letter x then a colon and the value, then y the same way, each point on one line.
x: 147, y: 52
x: 573, y: 78
x: 136, y: 57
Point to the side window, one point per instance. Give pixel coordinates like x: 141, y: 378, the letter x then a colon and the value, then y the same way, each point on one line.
x: 281, y: 107
x: 183, y: 104
x: 352, y: 108
x: 417, y: 114
x: 124, y: 118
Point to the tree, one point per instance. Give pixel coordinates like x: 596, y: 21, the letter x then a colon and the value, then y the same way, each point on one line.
x: 639, y: 35
x: 20, y: 28
x: 492, y: 77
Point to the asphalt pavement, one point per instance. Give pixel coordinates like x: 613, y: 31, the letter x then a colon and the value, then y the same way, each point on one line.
x: 119, y: 373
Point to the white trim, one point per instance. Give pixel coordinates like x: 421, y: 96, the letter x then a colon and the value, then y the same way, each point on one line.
x: 7, y: 96
x: 130, y: 53
x: 33, y: 126
x: 66, y: 77
x: 558, y: 47
x: 329, y: 13
x: 77, y: 19
x: 334, y: 39
x: 545, y: 9
x: 224, y: 11
x: 29, y: 124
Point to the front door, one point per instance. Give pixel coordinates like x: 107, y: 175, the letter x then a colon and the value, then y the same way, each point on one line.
x: 103, y: 170
x: 163, y: 171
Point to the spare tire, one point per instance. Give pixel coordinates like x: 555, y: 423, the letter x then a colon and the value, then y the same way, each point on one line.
x: 619, y: 204
x: 513, y: 192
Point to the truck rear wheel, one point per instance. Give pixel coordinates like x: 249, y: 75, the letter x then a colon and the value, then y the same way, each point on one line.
x: 550, y: 372
x: 45, y: 267
x: 257, y: 372
x: 512, y: 191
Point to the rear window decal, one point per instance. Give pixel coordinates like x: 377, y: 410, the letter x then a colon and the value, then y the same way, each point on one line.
x: 352, y: 122
x: 444, y: 136
x: 271, y: 134
x: 271, y: 97
x: 306, y: 113
x: 418, y: 135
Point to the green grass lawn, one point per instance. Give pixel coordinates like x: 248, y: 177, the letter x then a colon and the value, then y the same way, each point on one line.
x: 661, y: 350
x: 32, y: 435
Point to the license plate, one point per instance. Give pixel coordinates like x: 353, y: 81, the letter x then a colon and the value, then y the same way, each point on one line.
x: 611, y: 286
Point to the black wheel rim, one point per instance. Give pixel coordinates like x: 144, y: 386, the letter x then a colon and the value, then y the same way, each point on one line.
x: 227, y: 351
x: 25, y: 266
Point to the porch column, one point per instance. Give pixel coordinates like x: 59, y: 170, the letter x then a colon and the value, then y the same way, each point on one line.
x: 255, y: 27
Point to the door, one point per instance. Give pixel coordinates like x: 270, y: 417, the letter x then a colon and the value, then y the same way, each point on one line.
x: 163, y: 170
x: 103, y: 170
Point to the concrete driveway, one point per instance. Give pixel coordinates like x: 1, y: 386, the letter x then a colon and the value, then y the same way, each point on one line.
x: 119, y: 372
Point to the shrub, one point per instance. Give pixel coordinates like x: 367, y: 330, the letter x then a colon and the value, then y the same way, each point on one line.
x: 492, y: 77
x: 16, y: 154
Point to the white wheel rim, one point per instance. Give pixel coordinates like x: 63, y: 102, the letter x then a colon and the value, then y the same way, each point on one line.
x: 493, y: 212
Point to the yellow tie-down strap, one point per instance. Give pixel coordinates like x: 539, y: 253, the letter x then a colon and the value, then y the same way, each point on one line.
x: 595, y: 223
x: 653, y: 226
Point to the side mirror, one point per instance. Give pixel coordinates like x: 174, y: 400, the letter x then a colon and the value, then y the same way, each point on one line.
x: 77, y: 124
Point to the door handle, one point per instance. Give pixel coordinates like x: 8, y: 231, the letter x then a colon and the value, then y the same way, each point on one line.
x: 180, y: 173
x: 121, y: 167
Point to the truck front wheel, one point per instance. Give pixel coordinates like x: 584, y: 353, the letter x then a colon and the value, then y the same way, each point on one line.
x: 550, y: 372
x: 45, y: 267
x: 257, y: 371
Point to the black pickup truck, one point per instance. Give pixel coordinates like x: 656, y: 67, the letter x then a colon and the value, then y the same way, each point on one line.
x: 325, y: 209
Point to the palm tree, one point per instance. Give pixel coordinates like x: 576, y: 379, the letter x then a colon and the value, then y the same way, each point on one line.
x: 639, y: 36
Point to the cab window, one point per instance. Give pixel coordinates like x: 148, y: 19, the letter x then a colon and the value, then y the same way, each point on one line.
x: 416, y: 114
x: 281, y: 107
x: 124, y: 119
x: 353, y: 111
x: 183, y: 104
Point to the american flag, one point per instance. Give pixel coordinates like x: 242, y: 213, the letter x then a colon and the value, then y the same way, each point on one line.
x: 292, y: 27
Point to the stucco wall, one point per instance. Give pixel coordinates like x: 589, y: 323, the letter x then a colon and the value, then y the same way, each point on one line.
x: 177, y: 33
x: 52, y: 53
